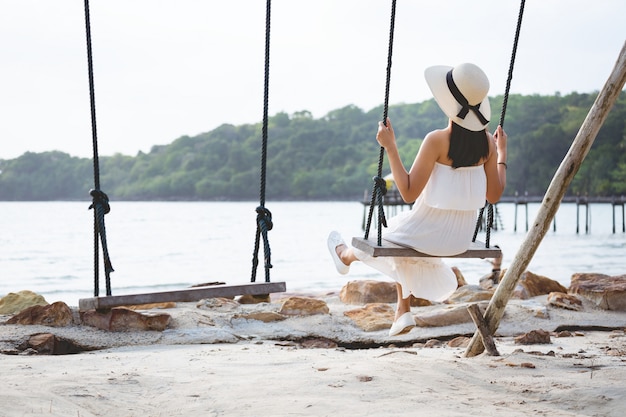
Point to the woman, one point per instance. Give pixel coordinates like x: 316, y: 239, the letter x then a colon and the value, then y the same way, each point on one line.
x: 455, y: 170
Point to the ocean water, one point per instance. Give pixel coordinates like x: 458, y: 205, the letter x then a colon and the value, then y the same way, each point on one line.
x: 47, y: 247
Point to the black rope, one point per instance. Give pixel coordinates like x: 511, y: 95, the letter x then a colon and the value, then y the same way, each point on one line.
x: 100, y: 201
x: 264, y: 217
x: 100, y: 205
x: 502, y: 114
x: 512, y: 63
x: 379, y: 188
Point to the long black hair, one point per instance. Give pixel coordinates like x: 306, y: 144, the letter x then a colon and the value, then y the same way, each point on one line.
x: 467, y: 147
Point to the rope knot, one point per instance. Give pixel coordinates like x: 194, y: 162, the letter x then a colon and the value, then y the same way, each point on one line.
x: 99, y: 198
x: 264, y: 219
x: 380, y: 184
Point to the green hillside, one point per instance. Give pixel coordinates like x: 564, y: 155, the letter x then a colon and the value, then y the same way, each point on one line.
x: 330, y: 158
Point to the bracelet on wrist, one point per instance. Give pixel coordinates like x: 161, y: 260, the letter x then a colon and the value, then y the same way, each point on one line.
x: 503, y: 163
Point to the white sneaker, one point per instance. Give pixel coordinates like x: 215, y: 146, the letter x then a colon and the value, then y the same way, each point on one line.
x: 404, y: 324
x: 334, y: 240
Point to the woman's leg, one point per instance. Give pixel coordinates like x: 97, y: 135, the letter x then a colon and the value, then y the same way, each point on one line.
x: 404, y: 320
x: 404, y: 304
x: 346, y: 254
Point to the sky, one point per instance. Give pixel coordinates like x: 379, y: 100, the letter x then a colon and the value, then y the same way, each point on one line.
x: 168, y: 68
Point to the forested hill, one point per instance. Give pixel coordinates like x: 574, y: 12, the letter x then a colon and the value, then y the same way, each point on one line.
x: 331, y: 158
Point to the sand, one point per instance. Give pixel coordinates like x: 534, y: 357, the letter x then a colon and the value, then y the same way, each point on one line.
x: 211, y: 363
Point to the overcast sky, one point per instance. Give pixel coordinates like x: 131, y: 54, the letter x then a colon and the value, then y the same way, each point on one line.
x: 166, y: 68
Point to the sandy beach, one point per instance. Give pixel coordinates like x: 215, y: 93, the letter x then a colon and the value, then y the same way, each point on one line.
x: 211, y: 361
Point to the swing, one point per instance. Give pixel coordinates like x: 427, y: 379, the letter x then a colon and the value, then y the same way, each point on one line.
x: 100, y: 205
x: 377, y: 248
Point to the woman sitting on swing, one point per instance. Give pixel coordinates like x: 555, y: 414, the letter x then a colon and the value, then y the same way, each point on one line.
x: 455, y: 170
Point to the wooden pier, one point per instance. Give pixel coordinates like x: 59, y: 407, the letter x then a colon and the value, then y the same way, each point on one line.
x: 581, y: 203
x: 393, y: 202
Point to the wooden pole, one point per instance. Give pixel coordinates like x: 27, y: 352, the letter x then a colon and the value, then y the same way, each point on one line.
x: 552, y: 199
x: 483, y: 330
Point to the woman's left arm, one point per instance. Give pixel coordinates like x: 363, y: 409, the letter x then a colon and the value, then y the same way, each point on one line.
x: 496, y: 165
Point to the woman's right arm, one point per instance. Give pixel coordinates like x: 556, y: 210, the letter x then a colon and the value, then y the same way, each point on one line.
x: 409, y: 183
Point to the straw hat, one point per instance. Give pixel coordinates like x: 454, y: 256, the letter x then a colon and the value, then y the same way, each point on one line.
x: 461, y: 93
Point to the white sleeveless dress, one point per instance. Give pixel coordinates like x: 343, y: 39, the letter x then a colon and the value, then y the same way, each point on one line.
x: 441, y: 223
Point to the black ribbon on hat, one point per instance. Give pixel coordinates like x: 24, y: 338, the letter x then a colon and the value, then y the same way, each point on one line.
x: 460, y: 98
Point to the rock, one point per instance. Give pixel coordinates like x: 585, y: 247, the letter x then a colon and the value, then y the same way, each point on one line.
x: 454, y: 314
x: 491, y: 281
x: 254, y: 299
x: 460, y: 342
x: 460, y: 279
x: 532, y: 285
x: 303, y: 306
x: 318, y: 343
x: 606, y: 292
x: 218, y: 303
x: 153, y: 306
x: 55, y: 315
x: 368, y: 291
x: 15, y: 302
x: 469, y: 294
x: 372, y: 317
x: 419, y: 302
x: 41, y: 342
x: 567, y: 301
x: 363, y: 292
x: 535, y: 308
x: 264, y: 316
x: 432, y: 343
x: 49, y: 344
x: 534, y: 337
x: 121, y: 319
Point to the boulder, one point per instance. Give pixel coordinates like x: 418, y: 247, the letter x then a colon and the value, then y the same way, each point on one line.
x: 49, y: 344
x: 491, y: 281
x: 363, y: 292
x: 15, y: 302
x: 121, y: 319
x: 303, y: 306
x: 459, y: 342
x: 264, y: 316
x: 534, y: 337
x: 218, y: 304
x: 454, y: 314
x: 469, y: 294
x: 460, y: 279
x: 566, y: 301
x: 55, y: 315
x: 532, y: 285
x: 152, y: 306
x: 372, y: 317
x: 254, y: 299
x: 606, y: 292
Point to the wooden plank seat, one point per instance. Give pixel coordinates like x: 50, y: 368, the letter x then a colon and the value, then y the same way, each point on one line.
x: 476, y: 250
x: 186, y: 295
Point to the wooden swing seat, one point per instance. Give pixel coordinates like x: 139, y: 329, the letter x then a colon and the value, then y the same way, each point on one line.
x: 476, y: 250
x: 186, y: 295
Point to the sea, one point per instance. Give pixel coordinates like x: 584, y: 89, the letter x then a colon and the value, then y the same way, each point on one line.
x: 47, y: 247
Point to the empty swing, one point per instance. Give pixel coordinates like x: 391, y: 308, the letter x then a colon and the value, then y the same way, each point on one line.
x: 377, y: 248
x: 101, y: 207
